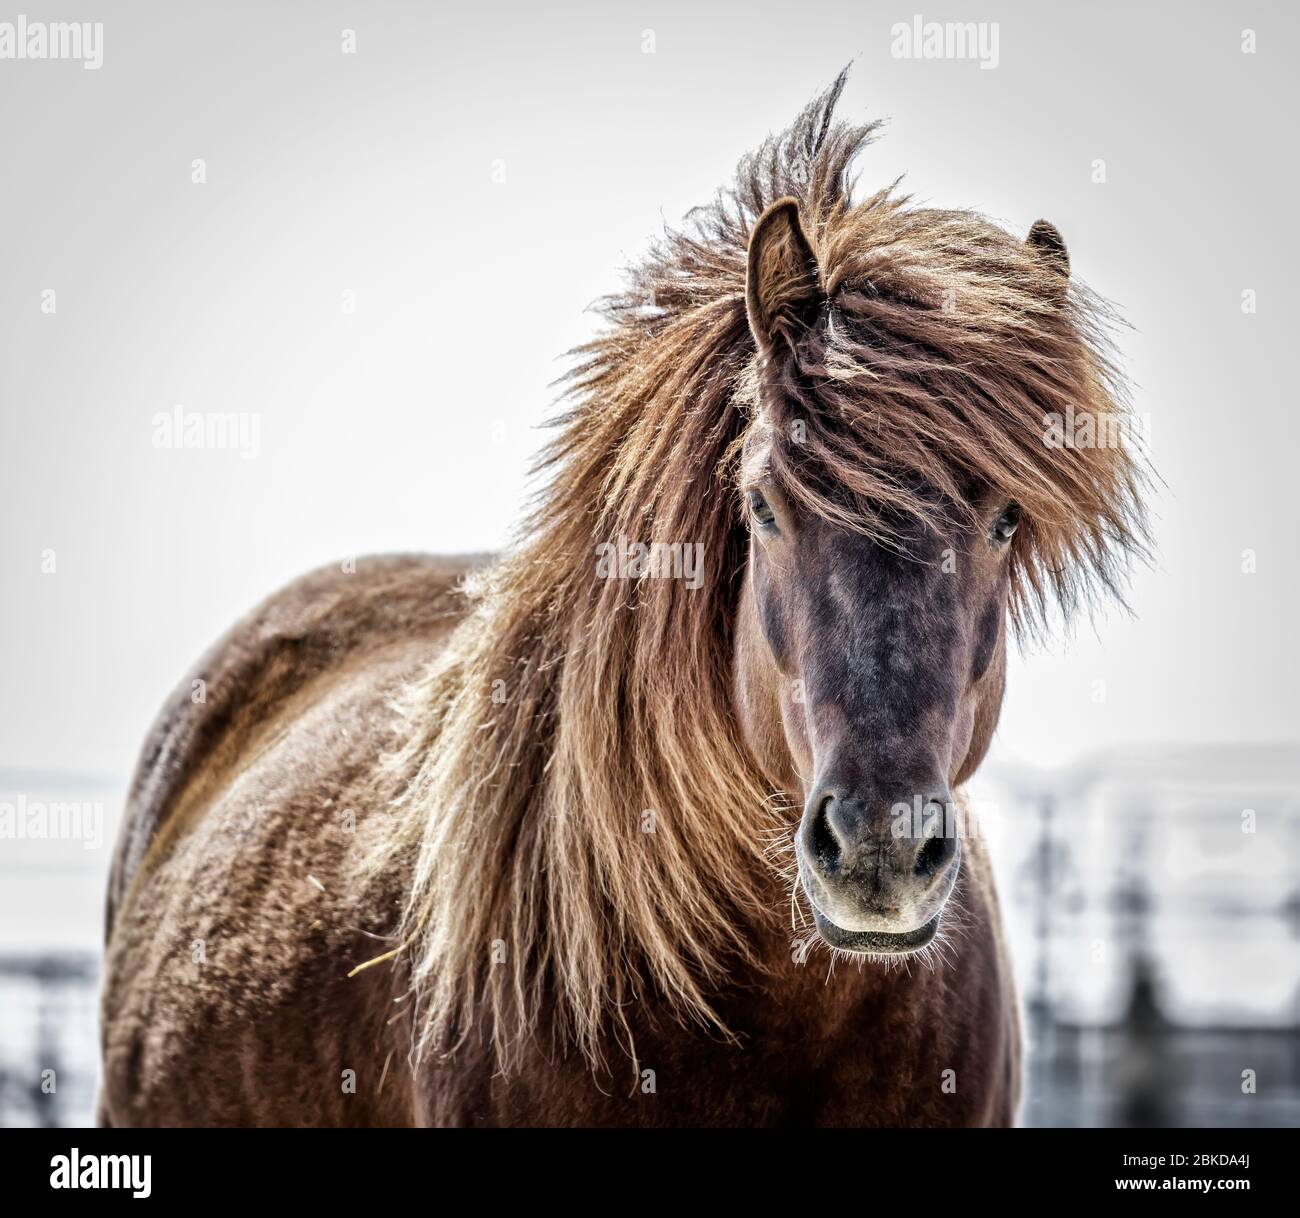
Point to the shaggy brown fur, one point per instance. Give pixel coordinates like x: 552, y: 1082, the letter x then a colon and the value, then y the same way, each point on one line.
x: 500, y: 854
x: 947, y: 345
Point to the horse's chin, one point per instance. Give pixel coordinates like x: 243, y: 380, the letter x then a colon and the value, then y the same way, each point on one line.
x: 876, y: 942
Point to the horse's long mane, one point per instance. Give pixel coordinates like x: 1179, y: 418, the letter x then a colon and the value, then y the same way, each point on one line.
x: 570, y: 713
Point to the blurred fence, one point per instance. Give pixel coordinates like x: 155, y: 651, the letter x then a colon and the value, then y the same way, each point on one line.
x: 49, y: 1040
x: 53, y: 876
x: 1152, y: 902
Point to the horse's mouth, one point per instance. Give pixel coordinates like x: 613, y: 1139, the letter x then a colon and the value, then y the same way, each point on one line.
x: 876, y: 942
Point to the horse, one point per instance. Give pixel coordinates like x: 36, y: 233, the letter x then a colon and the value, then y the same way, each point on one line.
x: 658, y: 817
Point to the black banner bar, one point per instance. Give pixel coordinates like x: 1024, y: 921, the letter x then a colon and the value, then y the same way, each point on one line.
x: 860, y: 1168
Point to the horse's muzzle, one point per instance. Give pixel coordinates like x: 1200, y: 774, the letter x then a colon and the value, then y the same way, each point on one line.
x: 877, y: 876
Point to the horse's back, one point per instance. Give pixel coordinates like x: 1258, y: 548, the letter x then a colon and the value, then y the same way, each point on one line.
x: 234, y: 909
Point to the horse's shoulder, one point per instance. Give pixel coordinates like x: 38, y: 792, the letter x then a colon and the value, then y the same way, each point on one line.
x: 314, y: 626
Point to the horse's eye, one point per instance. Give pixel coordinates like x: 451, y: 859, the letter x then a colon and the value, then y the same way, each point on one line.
x: 1005, y: 526
x: 760, y: 510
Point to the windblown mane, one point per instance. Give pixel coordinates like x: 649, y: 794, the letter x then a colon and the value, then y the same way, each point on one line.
x: 571, y: 713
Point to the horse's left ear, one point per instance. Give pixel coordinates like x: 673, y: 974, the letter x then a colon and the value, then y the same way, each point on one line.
x: 782, y: 285
x: 1046, y: 241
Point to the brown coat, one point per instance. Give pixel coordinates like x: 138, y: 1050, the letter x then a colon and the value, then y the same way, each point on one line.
x: 234, y: 842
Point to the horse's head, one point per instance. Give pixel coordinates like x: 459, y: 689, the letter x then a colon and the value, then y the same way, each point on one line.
x: 874, y: 677
x: 871, y: 639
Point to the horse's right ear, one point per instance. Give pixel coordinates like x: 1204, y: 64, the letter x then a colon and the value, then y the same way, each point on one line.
x: 782, y: 287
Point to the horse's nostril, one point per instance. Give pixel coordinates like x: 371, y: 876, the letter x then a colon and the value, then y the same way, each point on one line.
x: 934, y: 853
x: 824, y: 843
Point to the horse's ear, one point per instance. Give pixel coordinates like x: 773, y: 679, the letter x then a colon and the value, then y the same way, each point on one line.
x: 1047, y: 243
x: 782, y: 289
